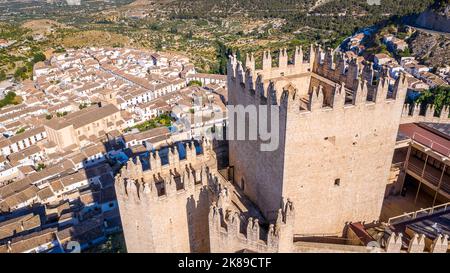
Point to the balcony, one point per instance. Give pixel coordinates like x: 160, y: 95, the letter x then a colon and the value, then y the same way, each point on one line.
x: 431, y: 174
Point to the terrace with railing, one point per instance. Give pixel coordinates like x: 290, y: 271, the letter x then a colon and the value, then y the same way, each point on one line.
x: 435, y: 176
x: 418, y: 213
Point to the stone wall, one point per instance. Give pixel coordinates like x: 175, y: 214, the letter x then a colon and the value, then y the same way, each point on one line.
x: 411, y: 113
x: 229, y: 233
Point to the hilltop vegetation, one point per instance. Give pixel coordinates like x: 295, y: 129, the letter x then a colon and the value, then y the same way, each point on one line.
x: 18, y: 59
x: 204, y: 30
x: 94, y: 38
x: 10, y: 98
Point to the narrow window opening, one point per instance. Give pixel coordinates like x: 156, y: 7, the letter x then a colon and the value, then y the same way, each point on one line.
x: 337, y: 182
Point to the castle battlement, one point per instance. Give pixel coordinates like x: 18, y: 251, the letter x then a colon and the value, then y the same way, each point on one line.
x: 284, y: 68
x: 165, y: 208
x: 162, y: 181
x: 326, y: 83
x: 412, y: 113
x: 229, y: 230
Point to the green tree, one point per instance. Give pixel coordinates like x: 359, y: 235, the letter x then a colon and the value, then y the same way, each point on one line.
x: 438, y: 96
x: 10, y: 98
x: 38, y: 57
x: 21, y: 73
x: 40, y: 167
x: 61, y: 114
x: 2, y: 75
x: 404, y: 53
x: 195, y: 83
x: 21, y: 130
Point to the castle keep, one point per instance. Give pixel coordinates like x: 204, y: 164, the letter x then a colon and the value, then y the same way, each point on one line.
x: 338, y: 123
x: 337, y: 128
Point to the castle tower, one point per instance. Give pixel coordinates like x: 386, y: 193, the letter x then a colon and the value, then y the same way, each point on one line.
x: 337, y: 135
x: 165, y: 209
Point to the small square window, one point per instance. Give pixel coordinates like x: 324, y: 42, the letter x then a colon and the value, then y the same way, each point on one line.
x: 337, y: 182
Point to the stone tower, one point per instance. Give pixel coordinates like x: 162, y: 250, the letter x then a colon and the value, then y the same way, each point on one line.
x: 165, y: 209
x: 337, y: 129
x: 185, y: 205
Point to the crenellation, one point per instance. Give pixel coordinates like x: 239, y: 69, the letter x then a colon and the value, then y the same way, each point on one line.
x: 132, y: 190
x: 400, y: 87
x: 260, y: 90
x: 251, y: 236
x: 352, y: 73
x: 416, y: 110
x: 382, y: 89
x: 173, y: 157
x: 234, y: 224
x: 328, y: 60
x: 445, y: 112
x: 231, y: 67
x: 339, y: 71
x: 368, y: 73
x: 272, y: 98
x: 394, y: 243
x: 412, y: 113
x: 240, y: 74
x: 249, y: 82
x: 440, y: 244
x: 336, y: 104
x: 406, y: 110
x: 360, y: 96
x: 214, y: 218
x: 316, y: 98
x: 429, y: 112
x: 298, y: 57
x: 172, y: 177
x: 250, y: 62
x: 267, y: 61
x: 158, y: 163
x: 283, y: 59
x: 417, y: 244
x: 312, y: 58
x: 289, y: 99
x: 329, y: 76
x: 169, y: 185
x: 191, y: 155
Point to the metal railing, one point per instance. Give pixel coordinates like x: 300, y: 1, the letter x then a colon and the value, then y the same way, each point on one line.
x: 417, y: 167
x: 419, y: 213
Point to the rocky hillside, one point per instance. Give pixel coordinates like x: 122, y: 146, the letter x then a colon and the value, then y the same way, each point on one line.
x: 435, y: 19
x: 430, y: 47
